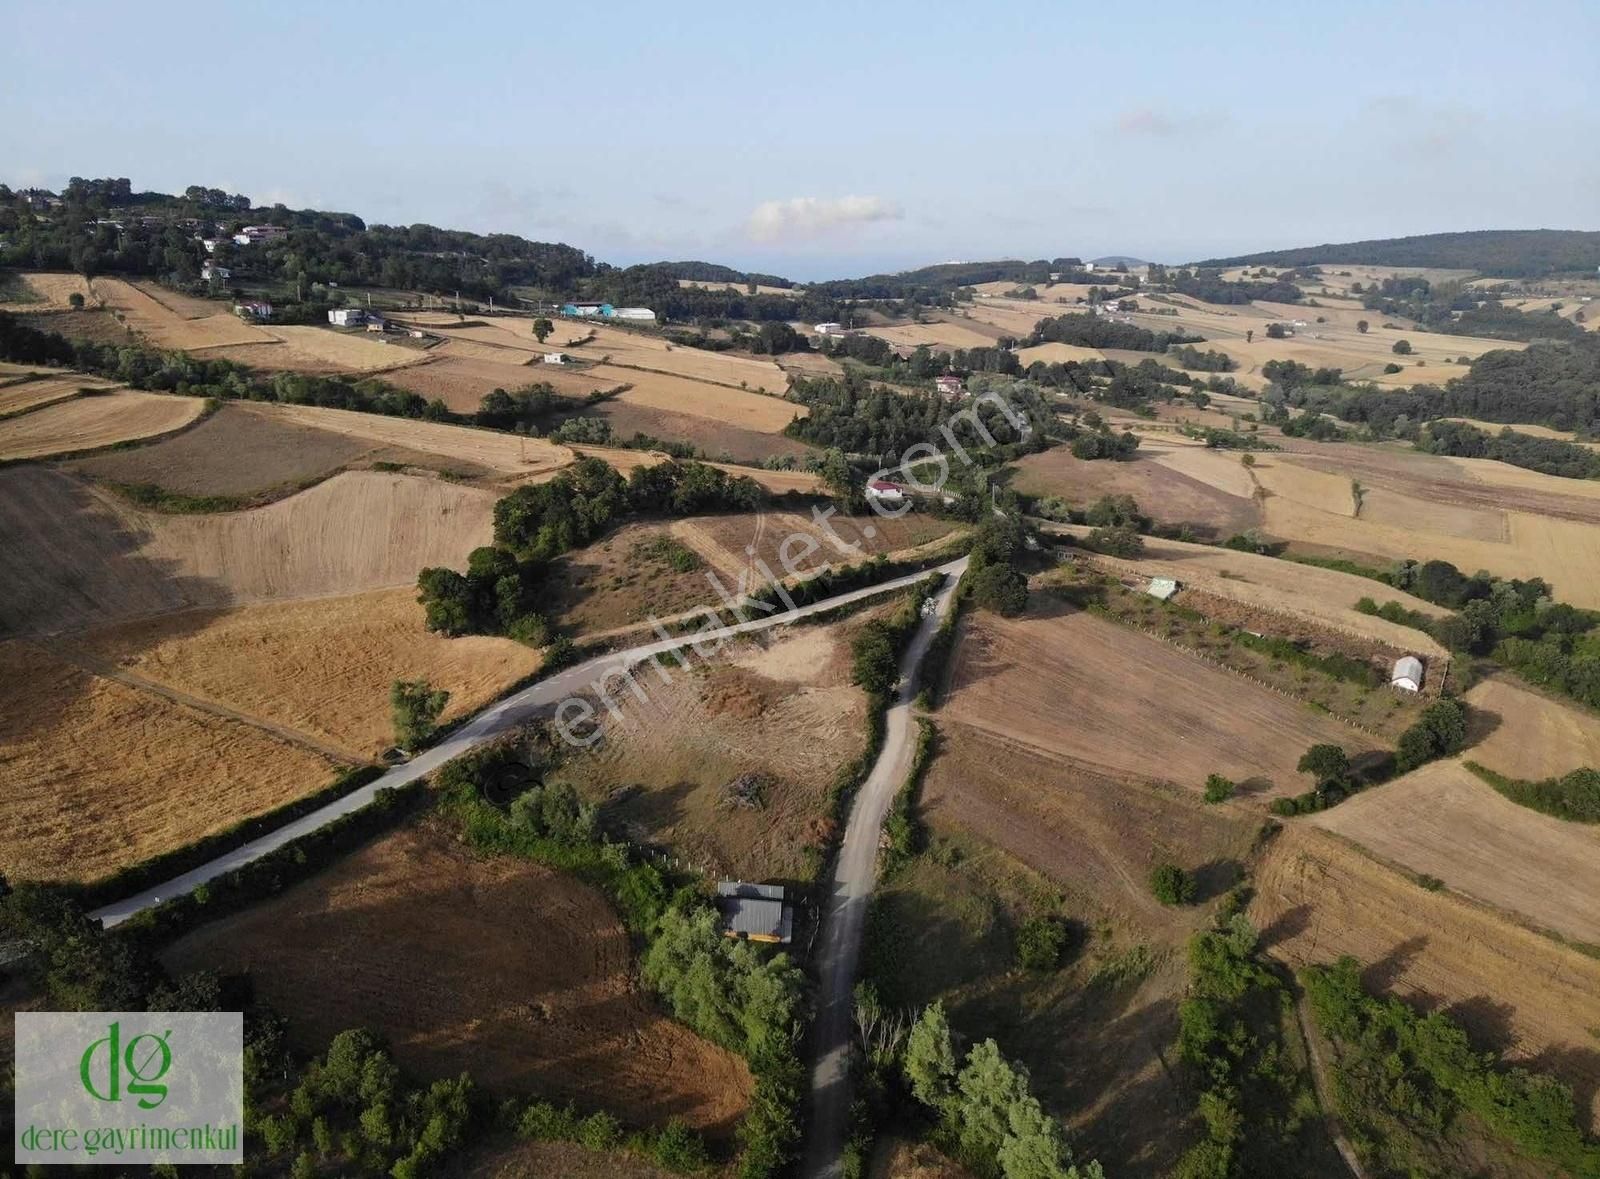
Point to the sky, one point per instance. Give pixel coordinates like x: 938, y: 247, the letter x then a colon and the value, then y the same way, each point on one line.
x: 831, y: 140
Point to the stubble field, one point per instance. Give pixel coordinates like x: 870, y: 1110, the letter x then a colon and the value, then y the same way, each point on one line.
x: 168, y: 320
x: 88, y: 423
x: 26, y: 395
x: 96, y: 775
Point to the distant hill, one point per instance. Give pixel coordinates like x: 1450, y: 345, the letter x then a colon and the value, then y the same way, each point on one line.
x: 713, y: 272
x: 1127, y: 260
x: 1503, y: 253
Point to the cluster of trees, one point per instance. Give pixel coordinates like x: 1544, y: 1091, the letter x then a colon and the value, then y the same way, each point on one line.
x: 1501, y: 252
x: 1291, y: 374
x: 748, y: 1001
x: 1551, y: 456
x: 1209, y: 361
x: 500, y: 591
x: 1103, y: 444
x: 1441, y: 730
x: 1209, y: 286
x: 1172, y: 885
x: 1257, y: 1108
x: 859, y: 418
x: 986, y: 1112
x: 1574, y: 796
x: 1095, y: 331
x: 1403, y: 1078
x: 875, y: 650
x: 995, y: 579
x: 353, y: 1111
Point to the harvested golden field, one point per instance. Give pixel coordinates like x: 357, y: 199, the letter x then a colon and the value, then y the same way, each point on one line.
x: 1476, y: 516
x: 88, y: 423
x: 51, y: 292
x: 512, y: 454
x: 1530, y: 735
x: 1059, y: 354
x: 1015, y: 317
x: 777, y: 482
x: 1324, y: 596
x: 1072, y: 685
x: 648, y: 351
x: 939, y: 335
x: 26, y: 395
x: 779, y: 706
x: 1443, y: 821
x: 1317, y: 898
x: 516, y: 973
x: 810, y: 364
x: 320, y: 350
x: 462, y: 382
x: 80, y: 558
x: 321, y: 667
x: 1170, y: 484
x: 95, y: 775
x: 169, y: 320
x: 781, y: 538
x: 734, y: 407
x: 1536, y: 431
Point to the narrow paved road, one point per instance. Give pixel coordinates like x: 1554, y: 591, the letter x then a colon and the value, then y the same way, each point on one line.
x: 854, y: 873
x: 492, y: 722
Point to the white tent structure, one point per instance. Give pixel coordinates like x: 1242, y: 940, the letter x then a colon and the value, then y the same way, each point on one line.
x: 1407, y: 673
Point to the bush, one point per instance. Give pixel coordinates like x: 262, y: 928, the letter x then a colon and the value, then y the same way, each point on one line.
x: 417, y: 705
x: 1218, y: 788
x: 1172, y: 885
x: 1040, y: 943
x: 1402, y: 348
x: 1117, y: 541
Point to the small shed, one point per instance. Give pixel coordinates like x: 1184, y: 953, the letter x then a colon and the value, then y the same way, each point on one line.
x: 587, y: 310
x: 1407, y: 674
x: 555, y: 358
x: 754, y: 912
x: 1161, y: 588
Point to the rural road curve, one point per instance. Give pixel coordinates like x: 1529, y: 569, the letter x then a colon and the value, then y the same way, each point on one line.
x: 488, y: 724
x: 844, y: 921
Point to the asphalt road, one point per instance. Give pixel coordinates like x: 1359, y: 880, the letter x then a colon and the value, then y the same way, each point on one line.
x: 500, y: 718
x: 855, y: 871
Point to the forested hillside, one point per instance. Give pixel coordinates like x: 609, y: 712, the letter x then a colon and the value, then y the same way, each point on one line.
x: 1509, y: 253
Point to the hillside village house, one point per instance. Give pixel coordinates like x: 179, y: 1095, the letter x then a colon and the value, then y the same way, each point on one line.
x: 885, y: 492
x: 948, y: 386
x: 830, y: 329
x: 253, y: 310
x: 555, y: 358
x: 588, y: 310
x: 347, y: 317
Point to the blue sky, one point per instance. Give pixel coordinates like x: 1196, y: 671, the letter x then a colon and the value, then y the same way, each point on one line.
x: 833, y: 139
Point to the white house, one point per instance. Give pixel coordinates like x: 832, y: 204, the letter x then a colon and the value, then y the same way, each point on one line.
x: 643, y: 314
x: 830, y: 329
x: 1407, y: 673
x: 555, y: 358
x: 885, y: 492
x: 347, y: 317
x: 212, y: 271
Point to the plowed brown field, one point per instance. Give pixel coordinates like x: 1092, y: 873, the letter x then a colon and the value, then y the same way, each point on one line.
x: 513, y: 972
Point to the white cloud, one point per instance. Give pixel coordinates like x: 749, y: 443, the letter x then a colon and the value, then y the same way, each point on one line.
x: 807, y: 217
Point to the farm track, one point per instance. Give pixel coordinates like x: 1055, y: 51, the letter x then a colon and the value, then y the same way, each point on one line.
x: 517, y: 709
x: 76, y: 655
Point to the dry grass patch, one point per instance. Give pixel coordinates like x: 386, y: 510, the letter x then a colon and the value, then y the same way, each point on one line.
x: 1076, y: 686
x: 733, y: 544
x: 939, y: 335
x: 321, y: 667
x: 1442, y: 821
x: 1318, y: 897
x: 759, y: 708
x: 708, y: 434
x: 646, y: 351
x: 517, y: 974
x: 1530, y: 735
x: 26, y: 395
x: 88, y: 423
x: 95, y: 776
x: 50, y: 292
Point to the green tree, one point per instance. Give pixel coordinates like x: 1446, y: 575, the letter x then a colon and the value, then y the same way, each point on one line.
x: 988, y: 1086
x: 1040, y: 942
x: 75, y: 301
x: 542, y: 328
x: 416, y: 705
x: 1362, y: 326
x: 930, y: 1060
x: 1325, y: 763
x: 1034, y: 1147
x: 1172, y: 885
x: 1218, y: 788
x: 1402, y: 348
